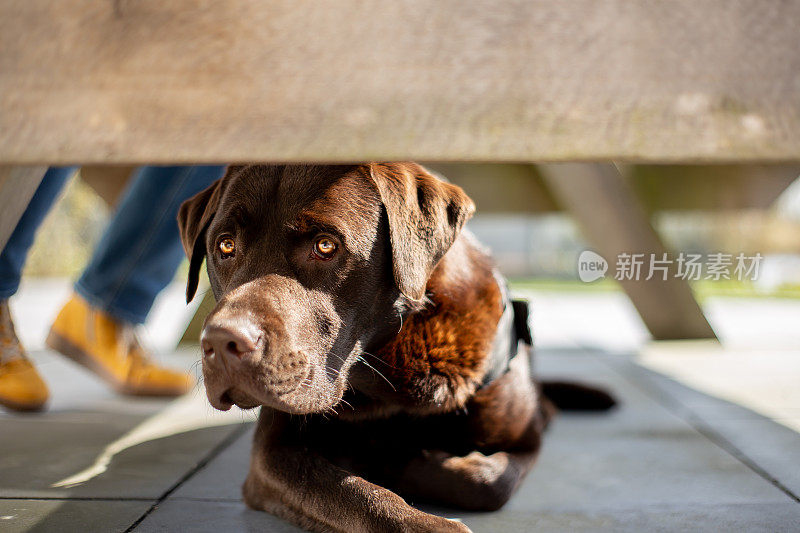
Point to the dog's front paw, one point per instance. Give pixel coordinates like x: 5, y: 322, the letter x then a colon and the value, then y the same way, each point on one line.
x: 428, y: 523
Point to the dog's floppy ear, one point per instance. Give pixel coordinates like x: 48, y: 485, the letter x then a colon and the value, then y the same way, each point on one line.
x: 425, y: 214
x: 194, y: 217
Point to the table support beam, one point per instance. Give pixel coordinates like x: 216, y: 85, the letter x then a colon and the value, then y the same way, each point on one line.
x: 613, y: 222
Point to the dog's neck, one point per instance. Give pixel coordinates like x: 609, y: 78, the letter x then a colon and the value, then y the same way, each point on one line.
x: 439, y: 357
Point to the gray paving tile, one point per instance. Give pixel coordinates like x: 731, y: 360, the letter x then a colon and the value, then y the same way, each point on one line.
x: 222, y: 478
x: 211, y: 517
x: 774, y: 518
x: 59, y: 516
x: 37, y: 452
x: 688, y: 400
x: 585, y: 465
x: 34, y: 455
x: 771, y: 446
x: 640, y: 454
x: 637, y: 410
x: 85, y: 416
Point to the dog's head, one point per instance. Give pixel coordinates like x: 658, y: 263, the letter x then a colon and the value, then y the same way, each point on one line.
x: 311, y: 266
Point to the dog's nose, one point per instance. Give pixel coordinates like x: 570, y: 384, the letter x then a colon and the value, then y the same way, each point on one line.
x: 234, y: 340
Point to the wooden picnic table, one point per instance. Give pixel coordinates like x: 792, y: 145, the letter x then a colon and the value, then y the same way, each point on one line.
x: 532, y: 81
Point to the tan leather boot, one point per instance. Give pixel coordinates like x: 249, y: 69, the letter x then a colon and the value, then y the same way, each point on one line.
x: 21, y: 386
x: 110, y: 349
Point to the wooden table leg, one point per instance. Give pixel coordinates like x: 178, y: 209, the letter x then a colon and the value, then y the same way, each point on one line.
x: 613, y: 221
x: 17, y: 185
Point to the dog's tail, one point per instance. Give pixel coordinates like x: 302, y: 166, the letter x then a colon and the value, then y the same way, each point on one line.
x: 572, y: 396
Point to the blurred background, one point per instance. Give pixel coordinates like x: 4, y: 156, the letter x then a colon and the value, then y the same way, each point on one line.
x: 536, y: 243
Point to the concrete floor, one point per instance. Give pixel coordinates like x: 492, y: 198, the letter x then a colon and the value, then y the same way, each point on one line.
x: 704, y: 450
x: 670, y: 458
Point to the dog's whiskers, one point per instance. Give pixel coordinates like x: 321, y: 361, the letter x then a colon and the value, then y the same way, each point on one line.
x: 347, y: 404
x: 376, y: 371
x: 305, y: 383
x: 380, y: 360
x: 338, y: 371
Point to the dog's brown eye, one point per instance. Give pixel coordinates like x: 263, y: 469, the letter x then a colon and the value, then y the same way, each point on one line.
x: 227, y: 247
x: 324, y: 247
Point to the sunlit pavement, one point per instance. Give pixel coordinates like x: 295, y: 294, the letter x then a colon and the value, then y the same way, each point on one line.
x: 705, y: 437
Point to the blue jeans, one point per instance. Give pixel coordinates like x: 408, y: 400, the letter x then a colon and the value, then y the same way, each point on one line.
x: 140, y: 250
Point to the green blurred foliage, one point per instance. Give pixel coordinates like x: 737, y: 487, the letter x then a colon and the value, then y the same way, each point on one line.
x: 70, y: 232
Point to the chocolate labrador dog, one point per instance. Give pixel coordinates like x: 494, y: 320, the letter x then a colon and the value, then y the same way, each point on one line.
x: 378, y: 339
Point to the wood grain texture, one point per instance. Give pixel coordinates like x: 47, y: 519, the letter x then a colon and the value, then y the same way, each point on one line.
x: 508, y: 80
x: 17, y: 186
x: 613, y: 222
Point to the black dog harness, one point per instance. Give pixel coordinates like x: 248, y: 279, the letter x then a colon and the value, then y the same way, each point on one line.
x: 512, y: 328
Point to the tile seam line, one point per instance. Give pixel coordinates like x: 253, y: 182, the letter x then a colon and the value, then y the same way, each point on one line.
x: 202, y: 499
x: 687, y: 415
x: 210, y: 456
x: 76, y: 498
